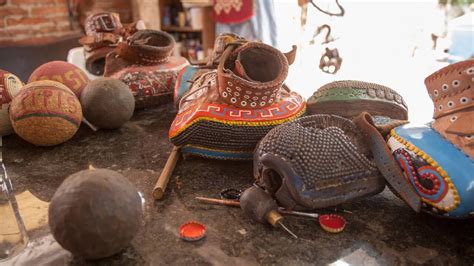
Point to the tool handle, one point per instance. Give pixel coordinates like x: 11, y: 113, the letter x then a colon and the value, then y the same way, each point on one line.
x: 233, y: 203
x: 164, y: 178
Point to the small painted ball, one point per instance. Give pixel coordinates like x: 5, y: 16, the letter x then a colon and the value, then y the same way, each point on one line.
x: 9, y: 87
x: 63, y: 72
x: 95, y: 213
x: 107, y: 103
x: 45, y: 113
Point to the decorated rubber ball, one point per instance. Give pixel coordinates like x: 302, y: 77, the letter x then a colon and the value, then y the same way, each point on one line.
x: 107, y: 103
x: 63, y: 72
x: 95, y: 213
x: 45, y: 113
x: 9, y: 87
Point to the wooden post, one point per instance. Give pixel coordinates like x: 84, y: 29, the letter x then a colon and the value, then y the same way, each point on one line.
x: 148, y: 11
x: 208, y: 30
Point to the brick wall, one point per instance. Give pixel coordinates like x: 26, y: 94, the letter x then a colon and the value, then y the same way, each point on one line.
x: 123, y: 7
x: 29, y: 22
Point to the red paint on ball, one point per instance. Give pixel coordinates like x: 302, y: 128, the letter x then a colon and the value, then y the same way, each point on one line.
x: 63, y: 72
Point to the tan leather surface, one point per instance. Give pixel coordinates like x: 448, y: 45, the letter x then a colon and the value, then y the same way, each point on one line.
x: 458, y: 128
x: 452, y: 91
x: 450, y: 84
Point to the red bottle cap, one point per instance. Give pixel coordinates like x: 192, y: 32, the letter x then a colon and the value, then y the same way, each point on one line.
x: 192, y: 231
x: 332, y: 223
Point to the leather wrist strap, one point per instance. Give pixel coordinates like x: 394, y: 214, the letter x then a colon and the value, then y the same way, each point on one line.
x: 386, y: 163
x: 99, y: 40
x: 135, y: 54
x: 147, y: 47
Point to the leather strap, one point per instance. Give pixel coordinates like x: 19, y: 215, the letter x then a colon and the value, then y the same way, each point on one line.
x: 291, y: 55
x: 147, y: 47
x: 99, y: 38
x: 93, y: 42
x: 103, y: 22
x: 227, y: 52
x: 386, y: 163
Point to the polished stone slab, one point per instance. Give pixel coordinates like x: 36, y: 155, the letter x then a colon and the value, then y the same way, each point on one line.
x: 381, y: 230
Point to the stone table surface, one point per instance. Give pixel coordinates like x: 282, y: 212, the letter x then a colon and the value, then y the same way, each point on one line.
x: 381, y: 230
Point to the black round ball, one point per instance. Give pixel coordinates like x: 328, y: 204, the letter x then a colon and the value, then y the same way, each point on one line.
x: 107, y: 103
x: 95, y: 213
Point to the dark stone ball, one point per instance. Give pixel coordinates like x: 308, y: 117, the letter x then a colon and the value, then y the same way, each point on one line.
x: 107, y: 103
x: 95, y: 213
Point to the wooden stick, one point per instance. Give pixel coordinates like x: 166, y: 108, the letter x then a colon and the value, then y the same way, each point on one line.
x: 164, y: 178
x: 232, y: 203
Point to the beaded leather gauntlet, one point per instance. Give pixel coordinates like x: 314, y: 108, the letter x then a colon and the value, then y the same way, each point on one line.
x: 315, y: 162
x: 438, y: 158
x: 337, y: 155
x: 103, y: 32
x: 227, y: 111
x: 145, y: 64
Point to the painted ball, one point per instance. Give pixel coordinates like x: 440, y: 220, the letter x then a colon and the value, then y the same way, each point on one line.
x: 10, y: 86
x: 63, y: 72
x: 45, y: 113
x: 95, y: 213
x: 107, y: 103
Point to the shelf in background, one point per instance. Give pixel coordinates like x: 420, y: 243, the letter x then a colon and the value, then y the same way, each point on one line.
x: 179, y: 29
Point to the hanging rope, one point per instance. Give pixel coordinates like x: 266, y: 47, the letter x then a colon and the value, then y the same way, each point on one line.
x: 340, y: 14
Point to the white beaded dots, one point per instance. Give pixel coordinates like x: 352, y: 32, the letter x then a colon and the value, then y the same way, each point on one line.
x: 456, y: 83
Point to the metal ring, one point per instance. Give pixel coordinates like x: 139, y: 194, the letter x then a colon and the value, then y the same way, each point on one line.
x: 230, y: 194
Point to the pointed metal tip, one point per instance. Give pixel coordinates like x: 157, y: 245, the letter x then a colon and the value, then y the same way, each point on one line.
x: 288, y: 230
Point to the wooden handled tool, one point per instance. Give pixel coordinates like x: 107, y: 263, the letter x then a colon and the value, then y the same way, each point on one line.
x: 256, y: 203
x: 233, y: 203
x: 164, y: 178
x: 261, y: 207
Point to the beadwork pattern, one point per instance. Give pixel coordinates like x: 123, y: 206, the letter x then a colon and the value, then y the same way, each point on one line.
x: 426, y: 168
x: 357, y: 96
x: 329, y: 156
